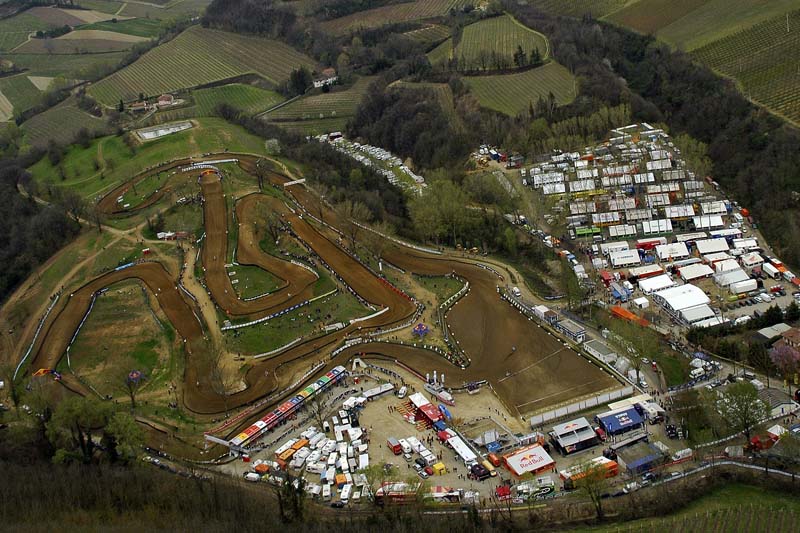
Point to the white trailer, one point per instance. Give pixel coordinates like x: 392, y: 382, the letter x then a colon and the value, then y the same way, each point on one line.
x: 742, y: 287
x: 771, y: 271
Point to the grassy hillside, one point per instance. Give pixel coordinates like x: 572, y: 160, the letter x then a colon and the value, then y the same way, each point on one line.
x: 764, y: 59
x: 140, y: 27
x: 118, y: 164
x: 199, y: 56
x: 429, y: 34
x: 513, y: 93
x: 649, y: 16
x: 20, y: 91
x: 245, y: 97
x: 14, y: 31
x: 498, y: 35
x: 402, y: 12
x: 333, y: 108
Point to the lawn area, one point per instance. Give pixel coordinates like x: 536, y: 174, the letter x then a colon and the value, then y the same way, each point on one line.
x: 121, y: 334
x: 208, y: 135
x: 733, y: 507
x: 304, y: 322
x: 514, y: 93
x: 184, y: 218
x: 252, y: 281
x: 141, y: 27
x: 142, y: 190
x: 14, y: 30
x: 441, y: 286
x: 244, y: 97
x: 496, y: 36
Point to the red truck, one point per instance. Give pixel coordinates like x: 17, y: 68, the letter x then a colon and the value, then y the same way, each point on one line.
x: 394, y: 445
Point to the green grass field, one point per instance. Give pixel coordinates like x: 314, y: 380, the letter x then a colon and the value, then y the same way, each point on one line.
x: 304, y: 322
x: 252, y: 281
x: 209, y: 135
x: 402, y: 12
x: 20, y: 92
x: 245, y: 97
x: 764, y: 60
x: 497, y: 35
x: 196, y: 57
x: 140, y: 27
x: 513, y: 93
x: 337, y: 104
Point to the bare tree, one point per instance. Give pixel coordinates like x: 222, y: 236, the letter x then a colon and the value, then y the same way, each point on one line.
x: 378, y: 241
x: 316, y: 407
x: 133, y: 381
x: 321, y: 192
x: 592, y: 482
x: 741, y: 408
x: 352, y: 215
x: 261, y: 172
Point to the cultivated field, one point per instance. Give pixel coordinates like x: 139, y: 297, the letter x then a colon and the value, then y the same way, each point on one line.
x: 498, y: 35
x: 196, y: 57
x: 15, y: 30
x: 60, y: 123
x: 429, y: 34
x: 690, y: 24
x: 337, y: 104
x: 380, y: 16
x: 578, y: 8
x: 73, y: 17
x: 513, y: 93
x: 649, y: 16
x: 81, y: 42
x: 72, y: 66
x: 764, y: 60
x: 141, y: 27
x: 245, y: 97
x: 6, y: 108
x: 20, y: 92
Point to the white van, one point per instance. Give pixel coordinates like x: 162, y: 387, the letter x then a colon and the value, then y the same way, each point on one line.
x: 405, y: 445
x: 326, y: 493
x: 345, y: 494
x: 402, y: 392
x: 516, y: 292
x: 252, y: 476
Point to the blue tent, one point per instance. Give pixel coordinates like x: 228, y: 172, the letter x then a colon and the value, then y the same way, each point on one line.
x: 620, y: 422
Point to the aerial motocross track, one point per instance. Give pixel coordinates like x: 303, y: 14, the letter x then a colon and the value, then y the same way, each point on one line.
x: 527, y: 367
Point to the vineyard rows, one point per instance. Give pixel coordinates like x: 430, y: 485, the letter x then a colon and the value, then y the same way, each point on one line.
x: 338, y: 104
x: 197, y: 57
x: 497, y: 35
x: 60, y: 123
x: 432, y: 33
x: 20, y: 92
x: 649, y: 16
x: 513, y: 93
x: 764, y: 59
x: 245, y: 97
x: 380, y: 16
x: 315, y: 127
x: 578, y: 8
x: 744, y: 518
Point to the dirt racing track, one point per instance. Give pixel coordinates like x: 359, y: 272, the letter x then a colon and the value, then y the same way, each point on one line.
x: 528, y: 367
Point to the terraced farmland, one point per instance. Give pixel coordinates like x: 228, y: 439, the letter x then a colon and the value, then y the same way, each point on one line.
x: 764, y: 59
x: 380, y: 16
x: 497, y: 35
x: 513, y: 93
x: 578, y: 8
x: 339, y: 105
x: 245, y: 97
x: 20, y: 92
x: 196, y: 57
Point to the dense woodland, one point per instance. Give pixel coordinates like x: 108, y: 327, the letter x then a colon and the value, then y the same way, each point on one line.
x: 31, y: 233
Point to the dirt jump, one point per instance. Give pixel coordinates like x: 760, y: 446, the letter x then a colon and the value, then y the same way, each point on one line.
x: 528, y: 367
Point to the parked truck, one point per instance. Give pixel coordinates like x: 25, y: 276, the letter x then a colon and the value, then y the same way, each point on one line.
x: 770, y: 271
